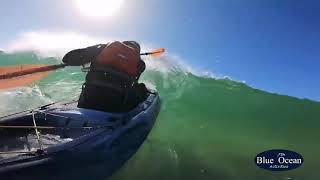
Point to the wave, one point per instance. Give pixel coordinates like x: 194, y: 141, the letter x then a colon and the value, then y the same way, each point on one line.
x: 207, y: 129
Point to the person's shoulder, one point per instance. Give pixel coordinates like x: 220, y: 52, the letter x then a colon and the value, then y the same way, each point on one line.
x: 97, y: 46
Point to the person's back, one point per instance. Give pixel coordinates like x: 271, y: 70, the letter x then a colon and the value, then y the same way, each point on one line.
x: 112, y: 80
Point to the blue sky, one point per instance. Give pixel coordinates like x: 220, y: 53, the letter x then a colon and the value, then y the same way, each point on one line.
x: 272, y: 45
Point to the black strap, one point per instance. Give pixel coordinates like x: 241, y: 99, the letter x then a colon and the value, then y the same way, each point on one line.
x: 105, y: 85
x: 123, y: 76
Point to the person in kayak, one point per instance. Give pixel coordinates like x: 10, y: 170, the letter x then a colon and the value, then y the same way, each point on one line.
x: 112, y: 80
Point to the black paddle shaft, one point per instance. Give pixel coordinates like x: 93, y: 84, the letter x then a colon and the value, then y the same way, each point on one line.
x: 31, y: 71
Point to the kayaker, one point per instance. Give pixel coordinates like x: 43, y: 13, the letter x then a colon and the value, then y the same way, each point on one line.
x: 112, y: 79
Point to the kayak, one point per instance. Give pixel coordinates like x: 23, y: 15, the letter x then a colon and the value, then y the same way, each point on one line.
x: 63, y: 140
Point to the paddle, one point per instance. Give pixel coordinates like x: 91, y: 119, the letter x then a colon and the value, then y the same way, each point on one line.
x: 21, y: 75
x: 155, y: 53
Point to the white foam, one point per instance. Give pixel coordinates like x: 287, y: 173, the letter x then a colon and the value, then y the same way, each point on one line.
x: 57, y: 43
x: 52, y: 44
x: 19, y: 99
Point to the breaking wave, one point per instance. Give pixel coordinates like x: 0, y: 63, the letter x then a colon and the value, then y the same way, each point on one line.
x: 207, y: 129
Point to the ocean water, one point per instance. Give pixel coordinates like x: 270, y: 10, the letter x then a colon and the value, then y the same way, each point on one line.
x: 207, y: 128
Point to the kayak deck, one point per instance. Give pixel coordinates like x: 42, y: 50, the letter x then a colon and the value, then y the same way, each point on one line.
x: 35, y: 137
x: 32, y: 134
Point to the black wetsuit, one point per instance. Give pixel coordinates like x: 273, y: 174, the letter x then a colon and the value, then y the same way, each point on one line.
x: 107, y: 89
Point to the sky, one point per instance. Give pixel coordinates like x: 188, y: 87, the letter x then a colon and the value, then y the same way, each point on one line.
x: 272, y: 45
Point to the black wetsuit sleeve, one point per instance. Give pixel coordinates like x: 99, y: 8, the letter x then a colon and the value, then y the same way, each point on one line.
x: 83, y: 56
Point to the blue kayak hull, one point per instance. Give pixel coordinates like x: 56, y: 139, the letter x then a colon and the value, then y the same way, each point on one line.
x: 96, y: 144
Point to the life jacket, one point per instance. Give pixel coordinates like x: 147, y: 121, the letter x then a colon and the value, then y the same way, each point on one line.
x: 120, y: 57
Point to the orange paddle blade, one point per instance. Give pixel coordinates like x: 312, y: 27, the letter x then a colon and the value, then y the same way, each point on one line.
x: 158, y: 52
x: 22, y: 75
x: 22, y: 80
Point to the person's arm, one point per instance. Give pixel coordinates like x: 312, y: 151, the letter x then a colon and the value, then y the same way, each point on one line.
x: 83, y: 56
x: 141, y: 68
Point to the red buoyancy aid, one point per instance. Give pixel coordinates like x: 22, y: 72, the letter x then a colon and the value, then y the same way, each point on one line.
x: 120, y: 57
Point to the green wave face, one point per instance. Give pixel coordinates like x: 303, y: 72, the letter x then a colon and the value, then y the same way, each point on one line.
x: 207, y: 128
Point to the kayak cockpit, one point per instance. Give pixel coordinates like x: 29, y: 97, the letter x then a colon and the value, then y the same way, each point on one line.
x: 39, y: 131
x: 40, y: 140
